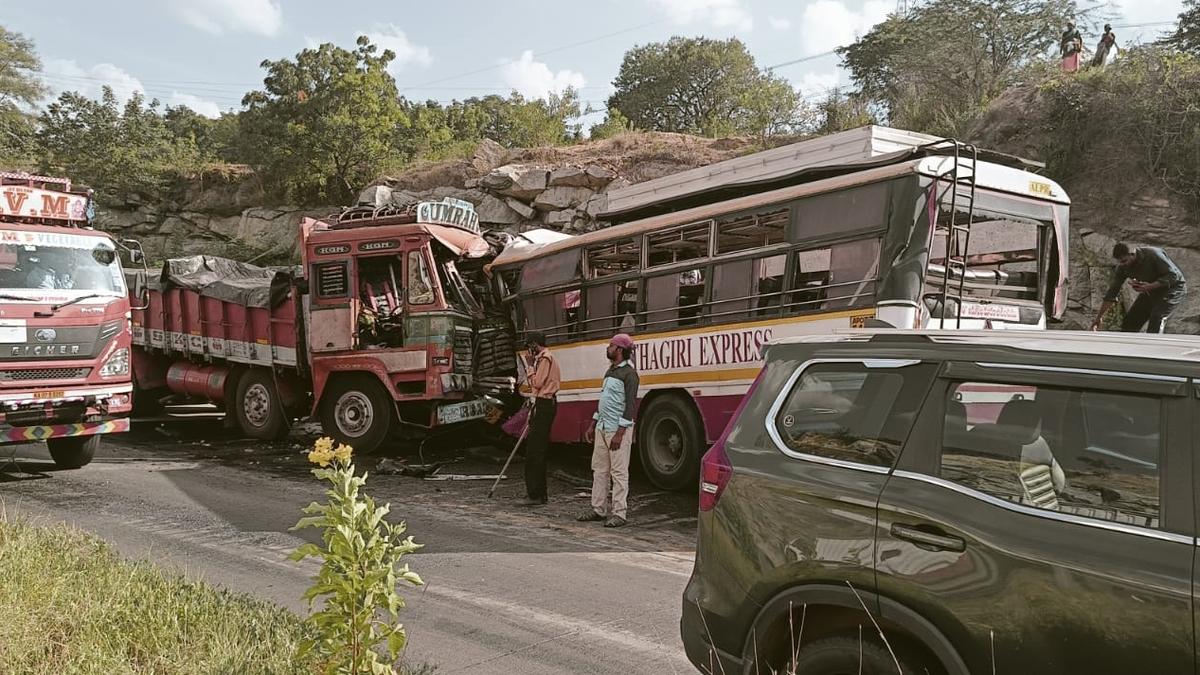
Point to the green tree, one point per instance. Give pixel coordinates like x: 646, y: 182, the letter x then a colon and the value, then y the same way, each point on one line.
x: 20, y: 89
x: 773, y: 108
x: 1187, y: 34
x: 437, y: 131
x: 688, y: 85
x: 325, y: 123
x: 614, y: 124
x: 935, y: 68
x: 840, y: 111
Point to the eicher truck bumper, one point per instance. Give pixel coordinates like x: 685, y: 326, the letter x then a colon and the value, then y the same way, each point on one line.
x: 29, y: 417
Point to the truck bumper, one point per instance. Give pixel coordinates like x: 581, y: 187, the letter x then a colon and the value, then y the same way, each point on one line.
x: 33, y: 434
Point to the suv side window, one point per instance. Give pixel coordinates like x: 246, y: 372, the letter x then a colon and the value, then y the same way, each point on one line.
x: 852, y: 412
x: 1088, y: 453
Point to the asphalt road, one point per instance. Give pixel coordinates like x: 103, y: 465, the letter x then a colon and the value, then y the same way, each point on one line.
x: 509, y: 590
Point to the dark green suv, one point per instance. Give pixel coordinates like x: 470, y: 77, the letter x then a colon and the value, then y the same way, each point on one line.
x: 956, y: 502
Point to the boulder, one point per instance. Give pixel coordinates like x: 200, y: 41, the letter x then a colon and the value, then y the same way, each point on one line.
x: 599, y: 176
x: 516, y: 180
x: 496, y: 211
x: 557, y: 198
x: 560, y: 219
x: 596, y: 205
x: 527, y: 212
x: 569, y: 176
x: 375, y: 196
x: 487, y: 156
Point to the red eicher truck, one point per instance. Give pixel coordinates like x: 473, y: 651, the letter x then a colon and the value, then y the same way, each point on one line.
x: 64, y: 321
x: 378, y: 331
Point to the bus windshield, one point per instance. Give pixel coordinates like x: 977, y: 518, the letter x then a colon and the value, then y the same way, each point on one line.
x: 1007, y: 251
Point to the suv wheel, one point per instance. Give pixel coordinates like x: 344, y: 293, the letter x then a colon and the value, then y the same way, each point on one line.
x: 848, y: 656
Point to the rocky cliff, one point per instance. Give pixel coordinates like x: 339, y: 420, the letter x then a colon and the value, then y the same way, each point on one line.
x: 1116, y: 195
x: 559, y: 187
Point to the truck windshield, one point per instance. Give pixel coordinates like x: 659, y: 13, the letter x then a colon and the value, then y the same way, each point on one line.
x: 83, y: 265
x: 458, y: 293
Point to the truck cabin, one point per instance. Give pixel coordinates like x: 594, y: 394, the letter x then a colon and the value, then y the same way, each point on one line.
x: 399, y: 286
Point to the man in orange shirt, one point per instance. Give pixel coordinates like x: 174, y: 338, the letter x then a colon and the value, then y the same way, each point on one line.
x: 544, y: 382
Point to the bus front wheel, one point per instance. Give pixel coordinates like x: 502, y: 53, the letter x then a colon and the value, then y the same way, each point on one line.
x: 670, y: 442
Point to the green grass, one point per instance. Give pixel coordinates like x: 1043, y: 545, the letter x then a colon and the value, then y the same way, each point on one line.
x: 70, y: 604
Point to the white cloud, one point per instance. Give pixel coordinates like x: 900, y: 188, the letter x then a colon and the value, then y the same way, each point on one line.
x: 200, y: 105
x: 389, y: 36
x: 719, y: 13
x: 62, y: 75
x: 829, y: 24
x: 261, y: 17
x: 534, y: 79
x: 779, y: 24
x: 813, y: 85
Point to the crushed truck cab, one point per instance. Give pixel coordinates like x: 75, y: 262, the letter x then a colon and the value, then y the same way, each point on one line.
x: 379, y: 329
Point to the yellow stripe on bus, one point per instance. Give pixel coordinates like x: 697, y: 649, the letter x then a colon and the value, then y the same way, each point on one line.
x: 674, y: 378
x: 722, y: 327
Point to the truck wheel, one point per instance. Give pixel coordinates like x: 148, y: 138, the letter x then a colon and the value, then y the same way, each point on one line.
x: 357, y: 411
x: 73, y: 452
x: 257, y: 407
x: 670, y: 442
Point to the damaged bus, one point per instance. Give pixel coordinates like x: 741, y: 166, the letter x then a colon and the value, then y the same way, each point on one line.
x: 704, y: 267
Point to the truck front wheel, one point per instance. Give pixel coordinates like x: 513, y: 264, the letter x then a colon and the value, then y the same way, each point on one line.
x: 73, y: 452
x: 357, y: 411
x: 258, y: 410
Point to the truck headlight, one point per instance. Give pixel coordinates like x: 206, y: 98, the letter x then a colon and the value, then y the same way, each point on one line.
x: 117, y: 364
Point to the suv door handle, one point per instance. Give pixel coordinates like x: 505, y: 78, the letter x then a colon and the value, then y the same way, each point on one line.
x: 930, y: 541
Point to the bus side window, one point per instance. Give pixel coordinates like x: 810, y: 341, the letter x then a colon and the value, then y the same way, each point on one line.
x: 555, y: 314
x: 744, y: 285
x: 675, y: 299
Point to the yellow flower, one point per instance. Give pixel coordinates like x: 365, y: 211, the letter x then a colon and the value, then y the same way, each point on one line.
x: 323, y: 444
x: 342, y: 454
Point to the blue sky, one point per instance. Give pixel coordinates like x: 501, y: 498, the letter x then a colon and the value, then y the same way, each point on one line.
x: 206, y: 53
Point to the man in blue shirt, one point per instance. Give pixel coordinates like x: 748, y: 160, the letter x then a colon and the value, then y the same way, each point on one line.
x: 1159, y: 284
x: 614, y: 435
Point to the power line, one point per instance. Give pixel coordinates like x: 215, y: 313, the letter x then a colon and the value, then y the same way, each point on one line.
x: 545, y: 52
x: 811, y: 57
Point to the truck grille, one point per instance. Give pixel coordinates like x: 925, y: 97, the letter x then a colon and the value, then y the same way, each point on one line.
x: 463, y: 352
x: 30, y: 374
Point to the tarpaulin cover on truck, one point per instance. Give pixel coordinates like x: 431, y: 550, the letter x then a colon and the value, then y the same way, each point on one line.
x: 228, y: 280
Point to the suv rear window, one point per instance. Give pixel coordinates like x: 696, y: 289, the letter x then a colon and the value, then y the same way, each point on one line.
x: 852, y: 412
x: 1088, y: 453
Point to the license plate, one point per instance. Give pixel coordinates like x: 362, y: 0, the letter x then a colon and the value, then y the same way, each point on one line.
x: 972, y: 310
x: 462, y: 412
x: 47, y: 394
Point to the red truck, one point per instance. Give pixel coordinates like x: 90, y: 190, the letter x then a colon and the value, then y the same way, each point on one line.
x: 64, y: 321
x: 378, y: 331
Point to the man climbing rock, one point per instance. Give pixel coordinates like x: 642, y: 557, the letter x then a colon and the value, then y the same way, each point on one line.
x: 1159, y: 284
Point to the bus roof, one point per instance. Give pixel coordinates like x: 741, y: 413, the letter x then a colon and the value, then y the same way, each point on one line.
x: 807, y: 160
x: 994, y: 176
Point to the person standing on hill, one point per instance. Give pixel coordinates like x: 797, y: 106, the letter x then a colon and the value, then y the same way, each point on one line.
x: 614, y: 435
x: 1107, y: 43
x: 1071, y: 46
x: 1159, y: 284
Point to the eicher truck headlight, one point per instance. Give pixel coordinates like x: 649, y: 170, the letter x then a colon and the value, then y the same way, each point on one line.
x: 117, y: 364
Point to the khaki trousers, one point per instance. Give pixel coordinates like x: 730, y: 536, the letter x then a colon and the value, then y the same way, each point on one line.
x: 611, y: 465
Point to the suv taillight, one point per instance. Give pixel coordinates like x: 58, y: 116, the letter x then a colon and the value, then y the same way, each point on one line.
x: 715, y: 467
x: 715, y: 472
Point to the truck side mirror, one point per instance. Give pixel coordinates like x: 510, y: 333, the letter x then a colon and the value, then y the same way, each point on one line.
x: 141, y: 291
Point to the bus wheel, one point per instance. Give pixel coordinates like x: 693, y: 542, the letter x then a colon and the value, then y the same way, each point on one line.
x: 73, y: 452
x: 257, y: 408
x: 670, y: 442
x: 357, y: 411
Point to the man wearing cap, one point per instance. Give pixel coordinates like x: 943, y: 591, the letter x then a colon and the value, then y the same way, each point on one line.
x: 544, y: 381
x: 614, y: 435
